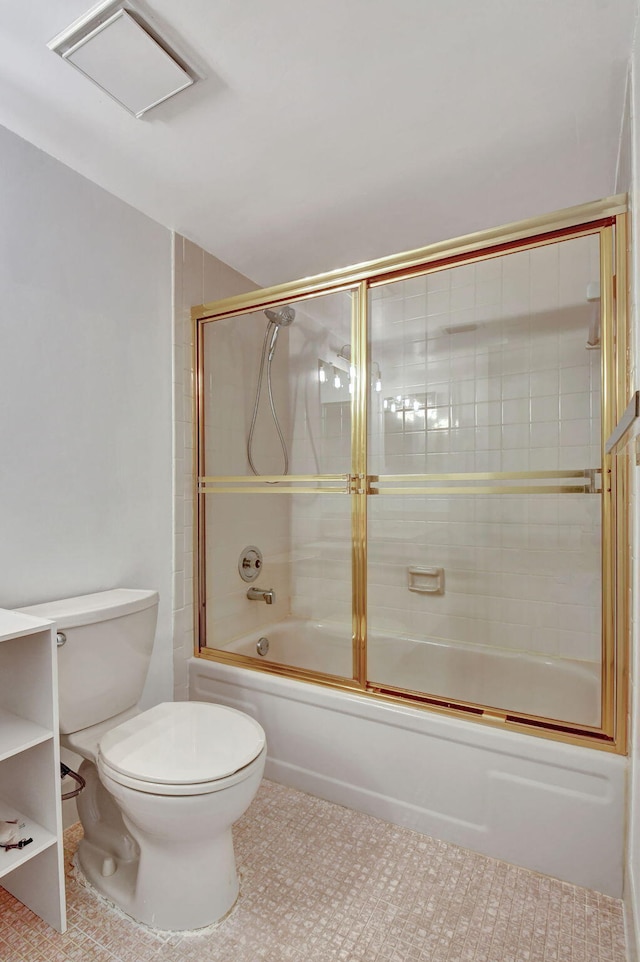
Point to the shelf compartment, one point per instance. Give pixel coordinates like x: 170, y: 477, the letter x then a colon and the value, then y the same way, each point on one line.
x: 17, y: 734
x: 42, y: 839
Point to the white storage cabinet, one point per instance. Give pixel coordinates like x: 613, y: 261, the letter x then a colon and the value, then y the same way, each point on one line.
x: 30, y: 764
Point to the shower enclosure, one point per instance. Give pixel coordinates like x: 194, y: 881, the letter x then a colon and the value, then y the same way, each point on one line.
x: 403, y: 487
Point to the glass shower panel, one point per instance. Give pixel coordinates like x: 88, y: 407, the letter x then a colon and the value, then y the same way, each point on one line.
x: 305, y: 543
x: 277, y: 390
x: 484, y: 590
x: 515, y: 625
x: 275, y: 476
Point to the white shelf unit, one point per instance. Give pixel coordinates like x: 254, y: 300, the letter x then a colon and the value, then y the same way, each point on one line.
x: 30, y: 764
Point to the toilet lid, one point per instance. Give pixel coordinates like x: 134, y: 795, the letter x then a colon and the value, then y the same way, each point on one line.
x: 183, y: 743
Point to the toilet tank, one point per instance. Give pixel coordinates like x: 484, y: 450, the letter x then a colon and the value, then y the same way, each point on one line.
x: 103, y: 664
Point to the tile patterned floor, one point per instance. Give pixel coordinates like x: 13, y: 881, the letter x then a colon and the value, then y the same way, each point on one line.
x: 321, y: 883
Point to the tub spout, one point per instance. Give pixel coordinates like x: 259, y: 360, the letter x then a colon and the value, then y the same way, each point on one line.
x: 267, y: 595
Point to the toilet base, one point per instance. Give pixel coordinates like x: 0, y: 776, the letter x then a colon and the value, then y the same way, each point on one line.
x: 89, y: 862
x: 141, y: 903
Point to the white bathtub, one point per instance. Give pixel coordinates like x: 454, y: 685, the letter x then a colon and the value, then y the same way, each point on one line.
x: 557, y: 688
x: 548, y: 806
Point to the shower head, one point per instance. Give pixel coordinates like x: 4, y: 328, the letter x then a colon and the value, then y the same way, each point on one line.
x: 283, y: 318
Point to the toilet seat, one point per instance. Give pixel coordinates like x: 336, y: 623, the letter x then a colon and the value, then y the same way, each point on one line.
x: 181, y: 748
x: 173, y: 789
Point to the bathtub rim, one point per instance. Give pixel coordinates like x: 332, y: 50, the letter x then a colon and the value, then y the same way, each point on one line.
x: 508, y: 653
x: 519, y: 723
x: 294, y: 641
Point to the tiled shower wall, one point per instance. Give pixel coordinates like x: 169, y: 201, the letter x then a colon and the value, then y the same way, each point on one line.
x: 496, y: 356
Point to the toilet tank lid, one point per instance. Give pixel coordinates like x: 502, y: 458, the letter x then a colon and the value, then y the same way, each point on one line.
x: 89, y: 609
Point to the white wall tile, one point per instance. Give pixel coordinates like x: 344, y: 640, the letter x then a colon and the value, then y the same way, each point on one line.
x: 545, y: 383
x: 517, y: 386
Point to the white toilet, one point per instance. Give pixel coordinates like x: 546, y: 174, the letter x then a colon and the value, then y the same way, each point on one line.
x: 163, y: 786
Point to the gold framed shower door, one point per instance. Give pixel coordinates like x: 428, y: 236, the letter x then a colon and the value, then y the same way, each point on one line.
x: 606, y: 218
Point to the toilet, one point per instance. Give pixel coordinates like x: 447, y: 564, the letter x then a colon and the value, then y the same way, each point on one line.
x: 163, y: 786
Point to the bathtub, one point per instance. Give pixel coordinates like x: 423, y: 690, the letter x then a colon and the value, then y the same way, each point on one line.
x: 545, y: 805
x: 559, y: 688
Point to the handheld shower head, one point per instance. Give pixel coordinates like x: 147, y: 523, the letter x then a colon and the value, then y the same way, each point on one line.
x: 283, y: 318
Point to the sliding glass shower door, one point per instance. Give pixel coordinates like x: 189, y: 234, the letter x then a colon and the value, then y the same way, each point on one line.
x: 402, y: 482
x: 274, y: 490
x: 485, y: 527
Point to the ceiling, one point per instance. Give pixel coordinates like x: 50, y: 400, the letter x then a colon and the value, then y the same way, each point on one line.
x: 328, y: 132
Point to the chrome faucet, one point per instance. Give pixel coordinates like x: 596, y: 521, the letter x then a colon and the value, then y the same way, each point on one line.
x: 267, y: 595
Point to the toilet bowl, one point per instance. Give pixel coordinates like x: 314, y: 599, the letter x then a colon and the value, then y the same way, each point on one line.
x: 163, y: 786
x: 180, y: 775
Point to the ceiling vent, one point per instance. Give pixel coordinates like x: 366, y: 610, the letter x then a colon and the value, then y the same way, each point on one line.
x: 113, y: 47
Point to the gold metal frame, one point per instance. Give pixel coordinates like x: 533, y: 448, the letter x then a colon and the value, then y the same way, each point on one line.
x: 573, y: 221
x: 608, y: 219
x: 622, y: 474
x: 608, y: 421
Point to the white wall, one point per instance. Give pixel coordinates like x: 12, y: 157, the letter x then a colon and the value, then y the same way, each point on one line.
x: 85, y: 379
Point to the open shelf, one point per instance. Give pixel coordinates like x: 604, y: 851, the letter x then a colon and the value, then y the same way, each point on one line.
x: 42, y: 839
x: 17, y: 734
